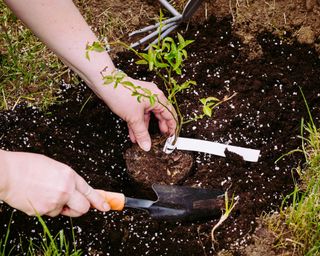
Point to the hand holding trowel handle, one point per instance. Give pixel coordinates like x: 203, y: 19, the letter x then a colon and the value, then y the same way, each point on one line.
x: 115, y: 200
x: 173, y: 203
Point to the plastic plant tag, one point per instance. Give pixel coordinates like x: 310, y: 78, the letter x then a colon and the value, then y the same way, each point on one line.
x: 215, y: 148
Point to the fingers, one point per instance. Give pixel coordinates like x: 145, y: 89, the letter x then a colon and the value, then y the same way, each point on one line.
x: 167, y: 121
x: 70, y: 212
x: 131, y: 135
x: 55, y: 212
x: 90, y: 195
x: 140, y: 132
x: 79, y: 203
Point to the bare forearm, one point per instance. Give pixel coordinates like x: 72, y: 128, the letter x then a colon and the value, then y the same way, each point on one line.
x: 3, y: 173
x: 59, y: 24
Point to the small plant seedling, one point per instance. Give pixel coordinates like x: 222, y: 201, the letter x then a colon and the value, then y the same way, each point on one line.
x: 229, y: 206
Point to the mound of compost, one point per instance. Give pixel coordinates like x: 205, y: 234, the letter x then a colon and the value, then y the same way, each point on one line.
x: 265, y: 114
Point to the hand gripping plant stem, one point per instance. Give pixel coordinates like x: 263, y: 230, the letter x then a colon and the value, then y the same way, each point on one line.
x: 165, y: 59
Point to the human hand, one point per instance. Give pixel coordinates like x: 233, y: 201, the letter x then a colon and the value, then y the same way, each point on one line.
x: 137, y: 114
x: 36, y: 184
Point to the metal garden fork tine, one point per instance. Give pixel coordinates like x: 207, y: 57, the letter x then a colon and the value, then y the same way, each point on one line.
x: 169, y: 24
x: 164, y: 34
x: 154, y: 33
x: 148, y: 28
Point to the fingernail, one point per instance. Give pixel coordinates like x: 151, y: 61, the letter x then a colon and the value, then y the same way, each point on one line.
x: 145, y: 145
x: 106, y: 207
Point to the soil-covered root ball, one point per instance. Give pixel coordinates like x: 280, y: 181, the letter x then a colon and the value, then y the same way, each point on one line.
x: 156, y: 166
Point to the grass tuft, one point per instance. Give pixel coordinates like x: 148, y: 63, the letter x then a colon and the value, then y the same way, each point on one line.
x: 50, y: 245
x: 29, y: 71
x: 297, y: 225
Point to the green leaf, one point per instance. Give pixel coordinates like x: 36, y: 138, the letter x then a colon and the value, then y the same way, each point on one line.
x: 178, y: 71
x: 128, y: 83
x: 212, y: 99
x: 87, y: 55
x: 207, y: 111
x: 168, y: 39
x: 187, y: 84
x: 120, y: 75
x: 151, y: 57
x: 187, y: 42
x: 141, y: 62
x: 184, y: 54
x: 160, y: 64
x: 108, y: 80
x: 178, y: 63
x: 165, y: 46
x: 97, y: 47
x: 152, y: 100
x: 116, y: 84
x: 203, y: 101
x: 143, y: 55
x: 146, y: 91
x: 181, y: 41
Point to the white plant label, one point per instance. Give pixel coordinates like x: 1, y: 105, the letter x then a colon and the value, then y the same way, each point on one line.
x: 215, y: 148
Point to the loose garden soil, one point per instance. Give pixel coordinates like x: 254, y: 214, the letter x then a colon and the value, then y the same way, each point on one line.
x: 265, y: 114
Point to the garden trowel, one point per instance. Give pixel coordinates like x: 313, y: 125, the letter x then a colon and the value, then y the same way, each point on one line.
x: 173, y: 203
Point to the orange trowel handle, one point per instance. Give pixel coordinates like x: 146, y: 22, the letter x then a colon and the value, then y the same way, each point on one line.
x: 115, y: 200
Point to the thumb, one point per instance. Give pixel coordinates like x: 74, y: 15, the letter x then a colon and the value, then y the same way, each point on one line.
x: 141, y: 134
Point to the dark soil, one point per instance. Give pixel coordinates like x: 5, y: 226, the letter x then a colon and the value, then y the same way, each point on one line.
x: 266, y: 115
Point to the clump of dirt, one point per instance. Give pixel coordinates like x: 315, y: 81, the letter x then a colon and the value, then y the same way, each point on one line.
x: 155, y: 166
x: 297, y: 19
x: 263, y: 243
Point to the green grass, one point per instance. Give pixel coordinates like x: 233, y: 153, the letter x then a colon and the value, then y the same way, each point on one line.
x: 50, y: 245
x: 4, y: 242
x: 297, y: 225
x: 29, y: 71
